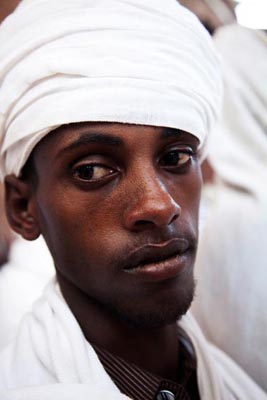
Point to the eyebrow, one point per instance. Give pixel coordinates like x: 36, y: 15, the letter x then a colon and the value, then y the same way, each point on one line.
x: 111, y: 140
x: 89, y: 138
x: 170, y: 132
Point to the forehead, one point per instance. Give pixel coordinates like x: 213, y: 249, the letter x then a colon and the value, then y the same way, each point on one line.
x: 74, y: 136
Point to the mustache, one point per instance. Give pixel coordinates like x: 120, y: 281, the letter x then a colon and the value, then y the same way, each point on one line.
x: 157, y: 251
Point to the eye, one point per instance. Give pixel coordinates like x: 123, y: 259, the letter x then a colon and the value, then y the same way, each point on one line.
x: 92, y: 172
x: 176, y: 158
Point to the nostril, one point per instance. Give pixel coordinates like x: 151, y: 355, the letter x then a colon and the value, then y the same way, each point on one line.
x: 146, y: 223
x: 174, y: 218
x: 142, y: 222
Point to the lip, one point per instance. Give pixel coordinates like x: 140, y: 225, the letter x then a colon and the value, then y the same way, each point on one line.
x: 159, y: 262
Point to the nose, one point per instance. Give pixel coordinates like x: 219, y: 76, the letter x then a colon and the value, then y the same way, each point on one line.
x: 153, y: 206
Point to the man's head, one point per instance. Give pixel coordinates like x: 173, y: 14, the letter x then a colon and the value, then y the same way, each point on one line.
x: 118, y: 207
x: 116, y: 198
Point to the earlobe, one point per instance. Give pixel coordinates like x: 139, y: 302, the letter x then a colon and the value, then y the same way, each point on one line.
x: 20, y: 207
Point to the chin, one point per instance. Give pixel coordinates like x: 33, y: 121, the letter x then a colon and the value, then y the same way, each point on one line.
x: 160, y: 311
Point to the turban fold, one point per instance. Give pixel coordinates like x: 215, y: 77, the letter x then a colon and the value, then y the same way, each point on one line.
x: 130, y: 61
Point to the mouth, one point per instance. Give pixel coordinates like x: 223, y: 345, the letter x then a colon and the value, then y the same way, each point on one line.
x: 159, y: 262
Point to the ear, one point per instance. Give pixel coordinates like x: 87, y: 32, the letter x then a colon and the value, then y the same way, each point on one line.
x: 20, y: 207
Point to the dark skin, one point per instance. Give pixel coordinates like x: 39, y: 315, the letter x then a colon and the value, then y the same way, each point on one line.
x: 7, y: 7
x: 109, y: 197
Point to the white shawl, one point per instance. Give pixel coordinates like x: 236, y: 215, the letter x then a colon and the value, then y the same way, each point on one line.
x: 231, y: 264
x: 51, y: 359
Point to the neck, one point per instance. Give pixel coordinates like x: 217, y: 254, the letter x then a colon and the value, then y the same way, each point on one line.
x: 152, y: 349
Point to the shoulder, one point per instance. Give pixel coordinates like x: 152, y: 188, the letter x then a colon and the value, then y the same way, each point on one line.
x: 219, y: 376
x: 19, y: 365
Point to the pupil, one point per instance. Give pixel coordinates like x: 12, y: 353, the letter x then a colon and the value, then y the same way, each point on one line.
x: 171, y: 158
x: 86, y: 171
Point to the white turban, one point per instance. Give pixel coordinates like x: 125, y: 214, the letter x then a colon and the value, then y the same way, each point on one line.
x: 144, y: 62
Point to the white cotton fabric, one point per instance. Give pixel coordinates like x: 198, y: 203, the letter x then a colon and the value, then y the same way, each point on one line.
x: 231, y: 265
x: 51, y: 359
x: 130, y: 61
x: 238, y: 146
x: 22, y: 280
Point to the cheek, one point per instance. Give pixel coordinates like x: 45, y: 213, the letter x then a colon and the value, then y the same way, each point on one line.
x: 187, y: 191
x: 195, y: 191
x: 78, y: 221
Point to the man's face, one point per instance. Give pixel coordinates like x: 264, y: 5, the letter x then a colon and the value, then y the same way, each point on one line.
x: 118, y: 207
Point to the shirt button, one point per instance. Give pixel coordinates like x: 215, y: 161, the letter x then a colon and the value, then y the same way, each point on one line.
x: 165, y: 395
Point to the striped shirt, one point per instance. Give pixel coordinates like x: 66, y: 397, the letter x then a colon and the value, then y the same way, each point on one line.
x: 139, y: 384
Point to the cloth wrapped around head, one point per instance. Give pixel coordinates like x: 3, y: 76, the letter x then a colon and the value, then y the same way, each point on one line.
x: 130, y: 61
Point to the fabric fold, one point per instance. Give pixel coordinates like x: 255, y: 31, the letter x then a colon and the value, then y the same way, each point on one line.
x: 51, y: 357
x: 116, y: 60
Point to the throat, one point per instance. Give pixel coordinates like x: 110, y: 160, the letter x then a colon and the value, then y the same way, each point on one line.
x: 155, y: 350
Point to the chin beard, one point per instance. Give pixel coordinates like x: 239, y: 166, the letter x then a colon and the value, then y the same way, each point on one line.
x: 160, y: 315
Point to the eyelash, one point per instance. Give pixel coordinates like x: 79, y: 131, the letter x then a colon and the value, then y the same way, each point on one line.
x: 178, y: 155
x: 90, y: 168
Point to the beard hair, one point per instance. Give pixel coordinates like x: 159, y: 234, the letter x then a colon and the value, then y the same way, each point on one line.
x: 158, y: 317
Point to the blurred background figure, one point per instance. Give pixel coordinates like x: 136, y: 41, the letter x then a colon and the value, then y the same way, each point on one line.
x: 231, y: 268
x: 25, y: 267
x: 6, y: 235
x: 212, y: 13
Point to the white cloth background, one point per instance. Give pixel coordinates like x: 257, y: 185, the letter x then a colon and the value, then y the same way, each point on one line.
x: 22, y: 281
x: 231, y: 265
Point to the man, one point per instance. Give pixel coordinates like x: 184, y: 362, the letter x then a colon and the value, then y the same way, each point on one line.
x: 231, y: 262
x: 105, y: 110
